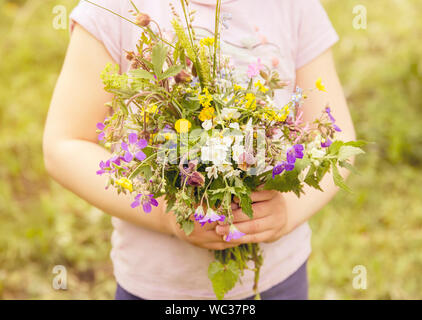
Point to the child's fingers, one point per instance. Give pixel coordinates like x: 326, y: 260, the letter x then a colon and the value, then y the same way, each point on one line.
x: 261, y: 195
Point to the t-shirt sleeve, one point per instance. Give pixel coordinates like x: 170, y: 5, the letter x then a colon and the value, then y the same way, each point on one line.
x: 315, y: 33
x: 102, y: 24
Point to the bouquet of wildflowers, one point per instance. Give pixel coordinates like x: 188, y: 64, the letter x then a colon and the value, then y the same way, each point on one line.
x: 185, y: 127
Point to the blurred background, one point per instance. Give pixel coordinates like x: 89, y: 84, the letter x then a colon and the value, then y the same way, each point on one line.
x: 378, y: 227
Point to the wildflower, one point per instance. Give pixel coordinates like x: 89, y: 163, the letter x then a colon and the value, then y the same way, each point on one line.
x: 234, y: 233
x: 182, y: 126
x: 196, y: 179
x: 206, y: 113
x: 280, y: 167
x: 199, y: 213
x: 230, y: 113
x: 183, y: 76
x: 207, y: 125
x: 325, y: 143
x: 134, y: 148
x: 250, y: 101
x: 254, y: 68
x: 333, y: 121
x: 205, y: 100
x: 319, y: 85
x: 295, y: 152
x: 101, y: 126
x: 146, y: 201
x: 210, y: 217
x: 125, y: 183
x: 297, y: 96
x: 212, y: 172
x: 206, y: 41
x: 261, y: 87
x: 246, y: 160
x: 236, y: 87
x: 142, y: 19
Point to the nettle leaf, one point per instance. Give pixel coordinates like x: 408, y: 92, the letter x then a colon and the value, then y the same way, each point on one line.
x: 312, y: 179
x: 357, y: 144
x: 170, y: 72
x: 338, y: 179
x: 246, y: 204
x: 158, y: 57
x: 347, y: 152
x: 188, y: 226
x: 141, y: 73
x: 223, y: 277
x: 348, y: 166
x: 335, y: 147
x: 285, y: 182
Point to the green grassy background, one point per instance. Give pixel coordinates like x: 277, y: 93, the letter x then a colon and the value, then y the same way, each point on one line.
x: 379, y: 226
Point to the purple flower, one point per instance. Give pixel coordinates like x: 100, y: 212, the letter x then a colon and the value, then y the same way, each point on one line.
x: 295, y: 152
x: 101, y: 126
x: 280, y: 167
x: 333, y: 121
x: 108, y: 165
x: 234, y: 233
x: 211, y: 216
x: 326, y: 143
x: 146, y: 201
x: 134, y: 148
x: 199, y: 213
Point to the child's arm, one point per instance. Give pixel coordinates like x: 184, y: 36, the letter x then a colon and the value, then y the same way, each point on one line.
x: 277, y: 214
x: 71, y: 151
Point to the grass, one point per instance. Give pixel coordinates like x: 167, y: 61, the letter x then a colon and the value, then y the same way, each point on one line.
x: 378, y: 226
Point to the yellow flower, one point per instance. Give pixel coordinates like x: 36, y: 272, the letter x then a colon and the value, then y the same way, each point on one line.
x: 261, y: 87
x: 125, y: 183
x: 206, y: 41
x: 168, y: 135
x: 250, y: 101
x: 206, y: 114
x: 182, y: 126
x: 150, y: 110
x: 319, y: 85
x: 236, y: 87
x: 205, y: 100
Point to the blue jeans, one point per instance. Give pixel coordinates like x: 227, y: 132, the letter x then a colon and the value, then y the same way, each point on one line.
x: 294, y: 287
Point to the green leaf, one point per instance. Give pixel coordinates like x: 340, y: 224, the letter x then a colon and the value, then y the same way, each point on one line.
x: 348, y: 166
x: 357, y: 144
x: 223, y: 277
x: 188, y: 226
x: 335, y: 147
x: 338, y: 179
x: 170, y: 72
x: 141, y: 73
x: 347, y: 152
x: 246, y: 204
x: 285, y: 182
x: 158, y: 57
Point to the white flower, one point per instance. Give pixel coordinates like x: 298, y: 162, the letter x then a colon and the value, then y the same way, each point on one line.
x: 230, y: 113
x: 215, y: 153
x: 233, y: 173
x: 237, y: 151
x: 212, y: 172
x: 207, y: 124
x: 234, y: 125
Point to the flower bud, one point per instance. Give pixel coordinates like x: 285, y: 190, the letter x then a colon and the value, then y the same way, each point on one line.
x: 142, y: 19
x: 182, y: 76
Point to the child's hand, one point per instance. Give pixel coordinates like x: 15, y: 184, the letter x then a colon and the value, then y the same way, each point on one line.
x: 204, y: 237
x: 269, y: 222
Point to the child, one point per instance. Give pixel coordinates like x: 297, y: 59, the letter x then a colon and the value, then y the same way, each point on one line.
x: 152, y: 257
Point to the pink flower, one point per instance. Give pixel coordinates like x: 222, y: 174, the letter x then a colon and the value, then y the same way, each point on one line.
x: 254, y: 68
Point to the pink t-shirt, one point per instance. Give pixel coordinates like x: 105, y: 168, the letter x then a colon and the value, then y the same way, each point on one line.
x: 285, y: 34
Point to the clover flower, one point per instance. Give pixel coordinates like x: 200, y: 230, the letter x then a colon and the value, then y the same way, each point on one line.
x: 254, y: 69
x: 133, y: 149
x: 234, y: 233
x: 147, y: 202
